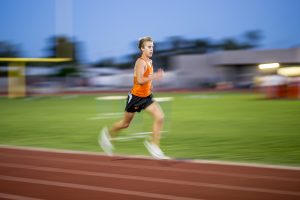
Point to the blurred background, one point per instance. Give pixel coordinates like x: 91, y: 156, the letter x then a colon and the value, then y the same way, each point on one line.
x: 73, y: 47
x: 200, y: 44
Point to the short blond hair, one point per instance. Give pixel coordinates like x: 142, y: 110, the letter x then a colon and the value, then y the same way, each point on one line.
x: 143, y: 40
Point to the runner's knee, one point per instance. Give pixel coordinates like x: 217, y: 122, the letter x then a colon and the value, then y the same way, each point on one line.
x: 125, y: 125
x: 160, y: 118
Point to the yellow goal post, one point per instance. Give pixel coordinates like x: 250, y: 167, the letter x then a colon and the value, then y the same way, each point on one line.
x: 17, y: 75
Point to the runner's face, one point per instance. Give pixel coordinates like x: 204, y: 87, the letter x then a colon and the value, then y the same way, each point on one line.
x: 148, y: 49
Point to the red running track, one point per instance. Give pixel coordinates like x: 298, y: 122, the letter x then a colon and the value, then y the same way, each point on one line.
x: 33, y: 174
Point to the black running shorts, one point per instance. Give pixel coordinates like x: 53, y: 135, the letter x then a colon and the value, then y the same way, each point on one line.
x: 136, y: 104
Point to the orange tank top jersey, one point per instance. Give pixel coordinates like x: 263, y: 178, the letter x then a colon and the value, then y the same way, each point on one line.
x: 143, y: 90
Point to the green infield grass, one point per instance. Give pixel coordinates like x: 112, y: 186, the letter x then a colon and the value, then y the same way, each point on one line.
x: 239, y: 127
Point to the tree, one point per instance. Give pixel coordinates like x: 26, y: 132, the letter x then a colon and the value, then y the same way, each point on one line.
x: 64, y: 47
x: 230, y: 44
x: 8, y: 50
x: 175, y: 43
x: 253, y: 38
x: 202, y: 45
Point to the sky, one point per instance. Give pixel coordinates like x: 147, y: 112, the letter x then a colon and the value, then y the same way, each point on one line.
x: 109, y: 28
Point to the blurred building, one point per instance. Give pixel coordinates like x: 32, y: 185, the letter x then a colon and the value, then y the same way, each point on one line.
x: 236, y: 67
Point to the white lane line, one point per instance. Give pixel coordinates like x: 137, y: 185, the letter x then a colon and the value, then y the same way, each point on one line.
x: 160, y: 180
x: 16, y: 197
x: 103, y: 117
x: 106, y: 116
x: 147, y: 157
x: 238, y: 164
x: 156, y: 168
x: 95, y: 188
